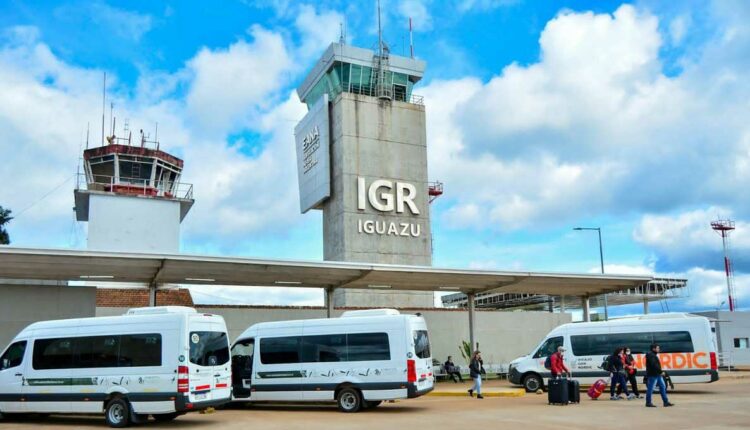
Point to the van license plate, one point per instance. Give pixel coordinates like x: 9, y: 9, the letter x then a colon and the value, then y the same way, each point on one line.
x: 201, y: 396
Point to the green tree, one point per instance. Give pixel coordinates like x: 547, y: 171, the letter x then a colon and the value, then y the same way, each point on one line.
x: 465, y: 349
x: 4, y: 219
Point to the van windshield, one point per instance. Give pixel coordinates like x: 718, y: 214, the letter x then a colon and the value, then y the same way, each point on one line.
x: 209, y: 348
x: 421, y: 344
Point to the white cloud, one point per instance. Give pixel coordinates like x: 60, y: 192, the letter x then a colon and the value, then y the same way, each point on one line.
x: 228, y: 85
x: 123, y: 23
x: 221, y: 294
x: 318, y: 29
x: 419, y: 13
x: 708, y: 289
x: 594, y: 128
x: 678, y: 28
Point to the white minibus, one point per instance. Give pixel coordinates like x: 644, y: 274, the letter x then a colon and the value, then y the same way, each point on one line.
x: 159, y: 361
x: 357, y: 360
x: 688, y: 348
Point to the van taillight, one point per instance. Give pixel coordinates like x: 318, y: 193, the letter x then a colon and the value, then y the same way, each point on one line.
x: 411, y: 371
x: 183, y: 379
x: 714, y: 363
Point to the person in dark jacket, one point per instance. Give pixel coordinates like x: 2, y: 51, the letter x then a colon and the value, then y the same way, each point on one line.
x: 452, y: 370
x: 616, y: 363
x: 476, y: 370
x: 654, y: 377
x: 630, y: 373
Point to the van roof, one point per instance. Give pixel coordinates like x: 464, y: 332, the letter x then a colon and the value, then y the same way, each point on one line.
x: 159, y: 312
x: 343, y: 319
x: 629, y: 320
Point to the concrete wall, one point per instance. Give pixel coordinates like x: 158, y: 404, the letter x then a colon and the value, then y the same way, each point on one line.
x: 375, y: 140
x: 133, y: 224
x: 21, y: 305
x: 731, y: 325
x: 502, y: 336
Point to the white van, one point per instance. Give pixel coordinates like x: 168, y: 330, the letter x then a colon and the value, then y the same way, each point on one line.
x: 688, y: 348
x: 159, y: 361
x: 358, y: 360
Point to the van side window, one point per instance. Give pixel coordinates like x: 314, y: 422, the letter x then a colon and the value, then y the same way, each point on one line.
x: 96, y: 351
x: 422, y: 344
x: 549, y: 347
x: 53, y: 354
x: 326, y: 348
x: 280, y: 350
x: 209, y: 348
x: 138, y: 350
x: 639, y: 343
x: 13, y: 356
x: 375, y: 346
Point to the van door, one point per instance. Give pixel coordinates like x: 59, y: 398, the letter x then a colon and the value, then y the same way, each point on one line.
x: 12, y: 364
x: 277, y: 369
x: 242, y: 368
x: 48, y: 375
x: 208, y: 368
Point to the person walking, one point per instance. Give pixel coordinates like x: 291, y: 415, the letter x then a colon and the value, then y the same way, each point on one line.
x: 617, y: 373
x: 452, y: 370
x: 557, y: 363
x: 631, y: 371
x: 654, y: 377
x: 475, y: 371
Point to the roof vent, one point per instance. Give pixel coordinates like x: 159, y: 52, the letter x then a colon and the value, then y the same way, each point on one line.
x: 370, y: 313
x: 157, y: 310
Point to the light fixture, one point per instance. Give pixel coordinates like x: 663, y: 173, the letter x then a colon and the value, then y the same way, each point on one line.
x: 287, y: 282
x: 384, y: 287
x: 96, y: 276
x: 450, y: 288
x: 201, y: 279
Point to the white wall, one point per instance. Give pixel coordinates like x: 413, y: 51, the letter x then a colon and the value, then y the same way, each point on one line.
x: 133, y: 224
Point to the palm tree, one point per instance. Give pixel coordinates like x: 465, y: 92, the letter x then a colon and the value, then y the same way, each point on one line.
x: 4, y: 219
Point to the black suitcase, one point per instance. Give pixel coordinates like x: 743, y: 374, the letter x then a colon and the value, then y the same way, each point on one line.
x: 574, y: 391
x: 557, y: 391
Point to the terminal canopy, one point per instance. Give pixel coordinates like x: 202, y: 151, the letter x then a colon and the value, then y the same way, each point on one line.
x: 155, y: 269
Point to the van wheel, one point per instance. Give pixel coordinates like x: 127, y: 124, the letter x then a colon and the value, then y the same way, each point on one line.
x: 532, y: 383
x: 349, y: 400
x: 117, y: 413
x: 165, y: 417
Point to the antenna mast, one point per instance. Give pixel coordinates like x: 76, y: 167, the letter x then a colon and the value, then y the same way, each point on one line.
x: 411, y: 40
x: 724, y: 227
x: 380, y: 34
x: 104, y: 100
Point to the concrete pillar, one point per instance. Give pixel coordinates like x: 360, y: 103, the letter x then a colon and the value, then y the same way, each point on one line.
x: 606, y: 309
x: 472, y: 339
x: 152, y: 295
x: 329, y: 302
x: 551, y: 304
x: 645, y: 306
x: 562, y: 304
x: 585, y: 307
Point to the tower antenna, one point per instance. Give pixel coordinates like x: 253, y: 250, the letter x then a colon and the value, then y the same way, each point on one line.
x: 342, y: 38
x: 411, y: 40
x: 724, y: 227
x: 104, y: 102
x: 380, y: 34
x: 88, y: 126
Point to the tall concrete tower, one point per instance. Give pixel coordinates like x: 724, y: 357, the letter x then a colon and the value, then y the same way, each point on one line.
x: 133, y: 199
x: 362, y: 160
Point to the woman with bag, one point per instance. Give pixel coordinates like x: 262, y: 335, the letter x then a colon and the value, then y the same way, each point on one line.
x: 475, y: 371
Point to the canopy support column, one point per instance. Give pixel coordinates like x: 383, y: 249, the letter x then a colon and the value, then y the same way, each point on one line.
x: 551, y: 305
x: 472, y: 339
x: 329, y: 302
x: 152, y: 295
x: 585, y: 307
x: 562, y: 304
x: 645, y: 305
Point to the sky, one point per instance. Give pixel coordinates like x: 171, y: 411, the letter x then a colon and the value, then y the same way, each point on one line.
x: 541, y: 116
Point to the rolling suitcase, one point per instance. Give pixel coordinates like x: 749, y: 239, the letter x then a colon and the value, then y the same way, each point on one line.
x: 597, y: 389
x: 574, y: 391
x: 557, y: 391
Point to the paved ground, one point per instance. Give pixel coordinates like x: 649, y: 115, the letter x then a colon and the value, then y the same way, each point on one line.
x: 721, y: 405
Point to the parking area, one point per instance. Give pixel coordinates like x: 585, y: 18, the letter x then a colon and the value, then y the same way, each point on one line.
x: 721, y: 405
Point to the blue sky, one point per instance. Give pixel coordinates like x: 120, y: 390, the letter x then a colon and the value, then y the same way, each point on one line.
x: 542, y: 116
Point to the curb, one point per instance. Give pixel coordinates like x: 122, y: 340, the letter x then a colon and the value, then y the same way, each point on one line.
x: 505, y: 393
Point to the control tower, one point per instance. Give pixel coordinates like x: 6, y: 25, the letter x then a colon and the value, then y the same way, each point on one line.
x: 132, y: 197
x: 362, y: 160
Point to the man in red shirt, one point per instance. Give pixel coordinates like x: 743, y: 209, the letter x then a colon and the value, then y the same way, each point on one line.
x: 557, y: 363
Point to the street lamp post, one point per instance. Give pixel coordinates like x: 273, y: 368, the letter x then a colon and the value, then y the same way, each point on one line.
x: 601, y: 262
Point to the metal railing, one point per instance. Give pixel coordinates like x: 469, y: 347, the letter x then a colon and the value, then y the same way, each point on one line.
x: 136, y: 186
x: 371, y: 90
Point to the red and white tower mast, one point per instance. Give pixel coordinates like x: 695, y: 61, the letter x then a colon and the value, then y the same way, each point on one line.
x: 724, y: 227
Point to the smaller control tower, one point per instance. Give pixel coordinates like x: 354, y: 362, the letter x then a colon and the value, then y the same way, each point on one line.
x: 133, y: 199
